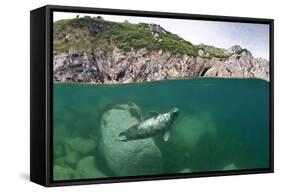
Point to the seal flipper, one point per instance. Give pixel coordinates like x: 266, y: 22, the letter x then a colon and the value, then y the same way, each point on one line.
x: 153, y: 114
x: 127, y: 134
x: 122, y: 137
x: 121, y: 134
x: 133, y: 127
x: 166, y: 136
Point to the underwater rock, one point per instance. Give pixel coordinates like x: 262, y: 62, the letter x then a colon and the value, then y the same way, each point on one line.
x: 191, y: 134
x: 230, y: 167
x: 138, y: 157
x: 58, y: 149
x: 186, y: 170
x: 72, y: 157
x: 189, y: 129
x: 82, y: 145
x: 65, y: 173
x: 87, y: 168
x: 60, y: 161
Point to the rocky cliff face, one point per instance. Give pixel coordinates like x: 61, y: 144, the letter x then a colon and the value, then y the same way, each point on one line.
x: 110, y: 61
x: 117, y: 66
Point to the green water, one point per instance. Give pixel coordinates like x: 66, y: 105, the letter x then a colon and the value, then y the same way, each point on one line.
x: 226, y: 122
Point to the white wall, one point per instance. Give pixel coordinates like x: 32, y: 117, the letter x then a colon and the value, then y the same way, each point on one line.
x: 14, y: 102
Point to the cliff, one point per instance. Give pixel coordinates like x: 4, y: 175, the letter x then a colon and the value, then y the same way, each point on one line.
x: 94, y: 50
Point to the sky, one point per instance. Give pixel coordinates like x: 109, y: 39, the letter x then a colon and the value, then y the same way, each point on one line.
x: 254, y: 37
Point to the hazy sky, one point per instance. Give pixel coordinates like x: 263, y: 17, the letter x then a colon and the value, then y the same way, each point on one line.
x: 254, y: 37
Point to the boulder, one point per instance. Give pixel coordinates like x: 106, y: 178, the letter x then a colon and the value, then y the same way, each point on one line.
x: 71, y: 156
x: 61, y: 161
x: 87, y: 168
x: 190, y: 134
x: 82, y: 145
x: 64, y: 173
x: 76, y: 148
x: 59, y: 61
x: 186, y: 170
x: 190, y: 128
x: 138, y: 157
x: 230, y: 167
x: 58, y: 149
x: 201, y: 53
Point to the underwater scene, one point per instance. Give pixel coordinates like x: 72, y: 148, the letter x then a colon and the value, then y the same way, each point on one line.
x: 139, y: 96
x: 222, y: 124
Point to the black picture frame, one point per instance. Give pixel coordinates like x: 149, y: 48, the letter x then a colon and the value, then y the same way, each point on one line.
x: 41, y: 92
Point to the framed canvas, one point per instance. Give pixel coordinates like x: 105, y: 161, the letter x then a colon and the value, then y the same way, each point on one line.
x: 126, y: 95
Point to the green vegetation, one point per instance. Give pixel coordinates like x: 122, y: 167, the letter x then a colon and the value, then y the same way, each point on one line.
x: 71, y: 40
x: 214, y: 51
x: 78, y: 33
x: 219, y: 54
x: 77, y: 22
x: 61, y: 24
x: 124, y: 35
x: 129, y: 36
x: 175, y: 44
x: 87, y: 33
x: 242, y: 50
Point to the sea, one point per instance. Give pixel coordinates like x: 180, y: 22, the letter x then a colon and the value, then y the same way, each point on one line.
x: 224, y: 123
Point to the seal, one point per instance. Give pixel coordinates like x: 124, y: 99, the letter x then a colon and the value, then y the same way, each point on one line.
x: 156, y: 124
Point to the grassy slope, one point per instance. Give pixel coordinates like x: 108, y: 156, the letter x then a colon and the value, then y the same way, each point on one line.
x: 124, y: 35
x: 214, y: 51
x: 127, y: 36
